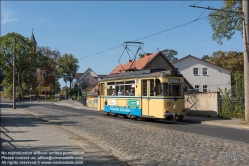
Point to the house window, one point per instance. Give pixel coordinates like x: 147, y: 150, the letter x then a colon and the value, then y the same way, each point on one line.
x: 205, y: 71
x: 197, y: 88
x: 205, y: 88
x: 196, y: 71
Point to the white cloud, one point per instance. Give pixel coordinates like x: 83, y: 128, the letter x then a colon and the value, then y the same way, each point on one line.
x: 7, y: 15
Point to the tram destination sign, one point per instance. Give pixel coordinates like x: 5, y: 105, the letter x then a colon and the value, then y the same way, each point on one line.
x: 133, y: 103
x: 171, y: 80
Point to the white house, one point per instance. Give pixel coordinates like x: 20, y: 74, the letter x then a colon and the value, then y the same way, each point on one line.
x: 202, y: 75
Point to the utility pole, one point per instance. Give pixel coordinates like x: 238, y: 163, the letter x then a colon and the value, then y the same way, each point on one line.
x: 246, y: 57
x: 52, y: 92
x: 66, y: 90
x: 14, y: 73
x: 18, y: 80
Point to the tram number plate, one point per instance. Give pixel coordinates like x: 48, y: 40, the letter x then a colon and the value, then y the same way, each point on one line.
x: 168, y: 103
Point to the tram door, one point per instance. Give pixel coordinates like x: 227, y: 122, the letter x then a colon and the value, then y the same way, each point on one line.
x: 155, y: 102
x: 101, y: 101
x: 145, y: 97
x: 149, y: 104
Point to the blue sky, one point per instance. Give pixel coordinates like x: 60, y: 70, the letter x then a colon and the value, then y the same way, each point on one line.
x: 84, y: 28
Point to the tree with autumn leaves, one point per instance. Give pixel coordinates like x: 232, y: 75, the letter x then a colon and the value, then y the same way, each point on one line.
x: 50, y: 66
x: 232, y: 61
x: 29, y: 64
x: 225, y: 24
x: 26, y: 65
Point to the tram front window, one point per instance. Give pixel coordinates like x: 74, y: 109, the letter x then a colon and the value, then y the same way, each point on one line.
x: 175, y: 90
x: 171, y: 89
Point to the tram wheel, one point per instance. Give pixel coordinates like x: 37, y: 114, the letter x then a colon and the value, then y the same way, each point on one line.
x: 136, y: 117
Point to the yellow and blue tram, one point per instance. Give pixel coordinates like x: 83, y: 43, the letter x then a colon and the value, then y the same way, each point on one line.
x: 146, y: 93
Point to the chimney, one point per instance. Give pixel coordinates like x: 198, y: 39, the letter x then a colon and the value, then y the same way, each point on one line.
x: 130, y: 61
x: 147, y: 54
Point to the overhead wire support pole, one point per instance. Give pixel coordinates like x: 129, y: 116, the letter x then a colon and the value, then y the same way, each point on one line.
x: 246, y: 57
x: 245, y: 25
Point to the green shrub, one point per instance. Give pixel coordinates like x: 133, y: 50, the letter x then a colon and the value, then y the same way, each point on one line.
x: 227, y: 109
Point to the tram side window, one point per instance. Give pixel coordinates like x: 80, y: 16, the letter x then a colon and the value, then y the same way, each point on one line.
x: 111, y: 89
x: 130, y: 88
x: 119, y: 88
x: 158, y: 87
x: 175, y: 90
x: 151, y: 87
x: 144, y: 90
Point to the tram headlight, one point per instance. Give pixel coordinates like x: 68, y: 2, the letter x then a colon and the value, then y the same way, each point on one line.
x: 166, y: 111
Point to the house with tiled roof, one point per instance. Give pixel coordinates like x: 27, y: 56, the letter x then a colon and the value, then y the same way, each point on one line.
x: 203, y: 75
x: 148, y: 62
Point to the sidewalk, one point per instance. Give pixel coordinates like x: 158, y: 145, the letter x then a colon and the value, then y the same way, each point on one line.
x: 231, y: 123
x: 74, y: 104
x: 33, y: 141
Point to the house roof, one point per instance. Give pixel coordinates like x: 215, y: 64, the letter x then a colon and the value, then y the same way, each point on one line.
x: 191, y: 56
x: 95, y: 88
x: 78, y: 75
x: 94, y: 91
x: 101, y: 76
x: 138, y: 64
x: 86, y: 72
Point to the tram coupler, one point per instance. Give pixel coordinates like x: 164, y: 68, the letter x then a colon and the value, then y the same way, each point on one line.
x: 177, y: 117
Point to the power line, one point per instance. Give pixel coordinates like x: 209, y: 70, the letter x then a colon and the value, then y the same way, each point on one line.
x: 142, y: 37
x: 198, y: 19
x: 198, y: 2
x: 101, y: 52
x: 201, y: 14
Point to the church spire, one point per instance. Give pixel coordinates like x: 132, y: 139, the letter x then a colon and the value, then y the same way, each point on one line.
x: 32, y: 38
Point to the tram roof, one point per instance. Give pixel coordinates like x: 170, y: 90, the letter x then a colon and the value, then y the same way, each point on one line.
x: 139, y: 74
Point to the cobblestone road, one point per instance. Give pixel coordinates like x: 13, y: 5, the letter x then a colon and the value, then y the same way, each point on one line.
x: 142, y: 144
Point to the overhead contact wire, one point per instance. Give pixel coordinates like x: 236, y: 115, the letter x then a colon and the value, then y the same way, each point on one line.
x: 198, y: 19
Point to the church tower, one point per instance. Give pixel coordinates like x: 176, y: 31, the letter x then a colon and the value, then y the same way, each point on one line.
x: 32, y: 38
